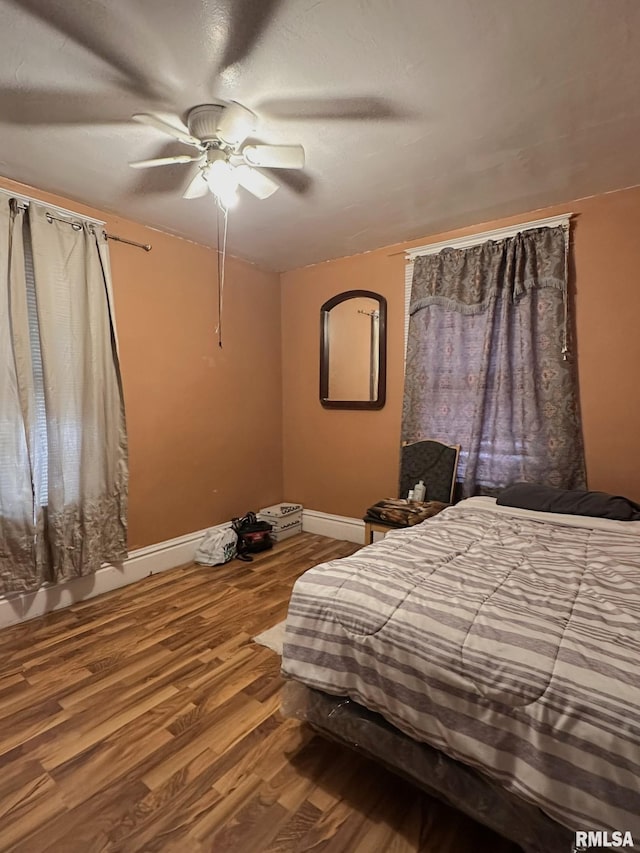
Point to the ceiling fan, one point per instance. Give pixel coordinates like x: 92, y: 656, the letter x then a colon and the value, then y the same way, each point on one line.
x: 217, y: 131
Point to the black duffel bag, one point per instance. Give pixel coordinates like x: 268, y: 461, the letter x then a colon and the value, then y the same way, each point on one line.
x: 253, y: 535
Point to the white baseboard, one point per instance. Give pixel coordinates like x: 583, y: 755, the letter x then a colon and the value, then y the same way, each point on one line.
x: 336, y: 526
x: 140, y: 564
x: 149, y: 561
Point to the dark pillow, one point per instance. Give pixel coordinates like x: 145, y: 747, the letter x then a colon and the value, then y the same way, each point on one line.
x: 548, y: 499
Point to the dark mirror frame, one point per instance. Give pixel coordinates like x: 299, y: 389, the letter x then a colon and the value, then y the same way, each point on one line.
x: 380, y: 400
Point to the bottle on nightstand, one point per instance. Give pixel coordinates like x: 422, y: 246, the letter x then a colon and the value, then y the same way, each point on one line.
x: 419, y: 491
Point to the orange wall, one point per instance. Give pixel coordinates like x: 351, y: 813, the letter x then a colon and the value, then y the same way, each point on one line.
x: 206, y: 439
x: 341, y: 461
x: 205, y: 436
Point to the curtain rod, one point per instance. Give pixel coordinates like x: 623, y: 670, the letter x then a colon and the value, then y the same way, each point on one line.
x: 24, y: 201
x: 146, y: 246
x: 483, y: 237
x: 77, y: 226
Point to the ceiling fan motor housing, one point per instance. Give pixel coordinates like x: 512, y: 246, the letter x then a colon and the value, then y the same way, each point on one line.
x: 203, y: 121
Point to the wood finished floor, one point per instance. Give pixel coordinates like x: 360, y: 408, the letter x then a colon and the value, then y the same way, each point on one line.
x: 146, y: 720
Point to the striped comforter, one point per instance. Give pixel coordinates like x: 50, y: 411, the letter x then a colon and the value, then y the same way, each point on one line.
x: 508, y: 639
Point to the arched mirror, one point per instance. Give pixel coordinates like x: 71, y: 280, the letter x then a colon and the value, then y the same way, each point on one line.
x: 353, y: 351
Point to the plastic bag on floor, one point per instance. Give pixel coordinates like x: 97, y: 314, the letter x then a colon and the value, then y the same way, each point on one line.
x: 218, y: 546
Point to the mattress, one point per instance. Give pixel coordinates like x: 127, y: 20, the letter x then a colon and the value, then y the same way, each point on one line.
x: 507, y: 639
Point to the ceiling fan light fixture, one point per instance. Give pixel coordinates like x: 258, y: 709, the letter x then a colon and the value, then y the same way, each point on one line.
x: 223, y: 182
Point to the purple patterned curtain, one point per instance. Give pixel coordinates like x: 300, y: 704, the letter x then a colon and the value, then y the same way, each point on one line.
x: 486, y: 362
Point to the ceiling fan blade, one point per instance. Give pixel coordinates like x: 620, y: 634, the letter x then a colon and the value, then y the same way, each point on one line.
x: 298, y: 181
x: 365, y: 108
x: 236, y: 123
x: 255, y: 182
x: 274, y: 156
x: 153, y: 121
x: 197, y: 187
x: 48, y: 106
x: 246, y: 23
x: 163, y: 161
x: 92, y: 30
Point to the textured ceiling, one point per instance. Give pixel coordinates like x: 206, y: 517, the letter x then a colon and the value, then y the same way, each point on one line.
x: 416, y: 115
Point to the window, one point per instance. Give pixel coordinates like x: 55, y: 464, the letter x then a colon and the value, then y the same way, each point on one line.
x: 485, y: 341
x: 61, y: 401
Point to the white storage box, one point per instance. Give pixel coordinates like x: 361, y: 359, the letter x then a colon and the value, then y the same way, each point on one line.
x: 290, y: 529
x: 285, y: 519
x: 278, y: 514
x: 280, y: 510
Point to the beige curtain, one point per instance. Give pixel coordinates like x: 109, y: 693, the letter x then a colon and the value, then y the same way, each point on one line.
x: 65, y: 412
x: 18, y: 566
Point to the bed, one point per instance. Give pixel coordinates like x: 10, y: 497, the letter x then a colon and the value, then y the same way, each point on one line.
x: 493, y: 655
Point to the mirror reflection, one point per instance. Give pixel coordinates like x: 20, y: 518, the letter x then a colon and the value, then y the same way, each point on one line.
x: 354, y: 332
x: 352, y: 351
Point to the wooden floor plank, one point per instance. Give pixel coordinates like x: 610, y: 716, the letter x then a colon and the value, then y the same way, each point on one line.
x: 86, y: 826
x: 155, y: 816
x: 36, y: 800
x: 146, y: 721
x: 289, y: 835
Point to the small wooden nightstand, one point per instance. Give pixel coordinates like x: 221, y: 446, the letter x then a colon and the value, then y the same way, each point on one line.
x: 371, y: 527
x: 386, y: 515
